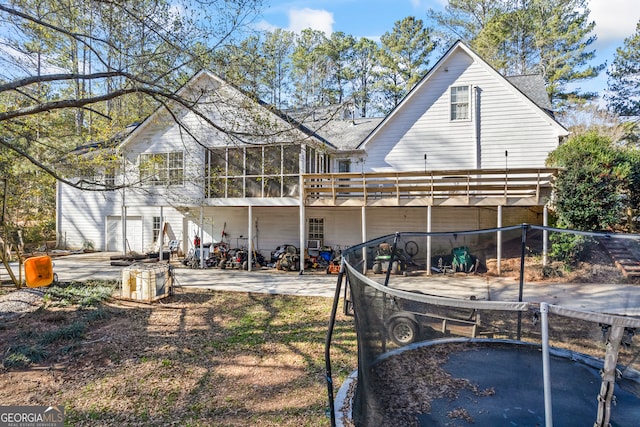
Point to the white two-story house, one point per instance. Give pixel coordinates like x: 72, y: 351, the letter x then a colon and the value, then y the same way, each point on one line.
x: 465, y: 149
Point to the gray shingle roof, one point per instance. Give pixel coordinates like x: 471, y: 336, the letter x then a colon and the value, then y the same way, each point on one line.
x: 346, y: 134
x: 533, y: 86
x: 335, y: 125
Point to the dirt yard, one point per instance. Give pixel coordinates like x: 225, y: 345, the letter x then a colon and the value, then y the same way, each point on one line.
x: 199, y: 358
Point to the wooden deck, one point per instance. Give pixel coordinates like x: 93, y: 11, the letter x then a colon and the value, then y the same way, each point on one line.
x: 511, y: 187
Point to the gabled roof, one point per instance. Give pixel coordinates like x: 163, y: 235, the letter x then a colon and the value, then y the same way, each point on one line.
x: 525, y: 93
x: 204, y: 74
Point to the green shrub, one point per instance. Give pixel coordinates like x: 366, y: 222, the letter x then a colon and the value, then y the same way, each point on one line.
x: 567, y: 247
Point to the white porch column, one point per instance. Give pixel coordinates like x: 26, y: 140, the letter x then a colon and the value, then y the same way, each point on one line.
x: 201, y: 228
x: 124, y: 206
x: 161, y: 234
x: 301, y: 167
x: 545, y: 235
x: 124, y: 230
x: 302, y: 239
x: 499, y: 242
x: 429, y: 224
x: 363, y: 216
x: 250, y: 234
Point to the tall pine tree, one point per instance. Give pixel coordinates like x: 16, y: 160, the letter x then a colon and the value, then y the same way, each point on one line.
x: 624, y: 78
x: 548, y: 37
x: 403, y: 58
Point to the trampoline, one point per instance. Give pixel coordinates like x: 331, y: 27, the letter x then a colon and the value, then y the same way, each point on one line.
x: 429, y: 355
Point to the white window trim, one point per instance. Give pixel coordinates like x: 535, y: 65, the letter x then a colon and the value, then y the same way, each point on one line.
x: 166, y: 168
x: 312, y: 234
x: 469, y: 117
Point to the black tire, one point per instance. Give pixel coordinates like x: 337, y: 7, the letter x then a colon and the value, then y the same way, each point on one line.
x: 395, y: 268
x: 402, y: 331
x: 222, y: 264
x: 245, y: 265
x: 411, y: 248
x: 377, y: 268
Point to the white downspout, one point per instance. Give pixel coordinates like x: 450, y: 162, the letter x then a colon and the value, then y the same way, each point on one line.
x: 476, y: 119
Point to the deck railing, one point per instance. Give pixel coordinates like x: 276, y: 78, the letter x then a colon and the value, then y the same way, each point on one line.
x: 490, y: 187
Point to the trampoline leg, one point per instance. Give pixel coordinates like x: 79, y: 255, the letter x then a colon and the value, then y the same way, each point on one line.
x: 546, y: 374
x: 609, y: 376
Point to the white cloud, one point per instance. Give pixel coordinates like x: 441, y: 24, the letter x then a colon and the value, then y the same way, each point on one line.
x: 615, y: 19
x: 300, y: 19
x: 265, y: 26
x: 19, y: 64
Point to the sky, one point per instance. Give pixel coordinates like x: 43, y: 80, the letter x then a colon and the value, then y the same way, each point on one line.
x: 615, y: 20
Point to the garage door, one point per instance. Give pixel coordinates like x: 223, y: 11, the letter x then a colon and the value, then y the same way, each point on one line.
x: 134, y: 234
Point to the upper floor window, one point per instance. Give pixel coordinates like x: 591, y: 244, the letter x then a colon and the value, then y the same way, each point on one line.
x: 88, y: 177
x: 460, y: 103
x: 110, y: 178
x: 162, y: 168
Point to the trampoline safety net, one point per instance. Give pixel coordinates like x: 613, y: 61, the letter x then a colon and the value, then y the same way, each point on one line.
x: 524, y: 325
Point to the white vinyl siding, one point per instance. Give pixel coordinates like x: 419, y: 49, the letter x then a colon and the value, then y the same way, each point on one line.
x: 506, y: 120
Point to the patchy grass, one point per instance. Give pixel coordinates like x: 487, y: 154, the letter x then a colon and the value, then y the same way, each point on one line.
x: 81, y: 294
x: 199, y: 358
x: 52, y: 333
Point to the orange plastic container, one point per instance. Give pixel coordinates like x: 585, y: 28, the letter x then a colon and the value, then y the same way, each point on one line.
x: 38, y: 271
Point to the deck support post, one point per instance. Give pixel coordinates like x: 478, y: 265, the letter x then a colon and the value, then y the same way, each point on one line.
x: 201, y: 229
x: 545, y: 235
x: 161, y: 234
x: 302, y: 239
x: 250, y: 236
x: 429, y: 224
x: 499, y: 242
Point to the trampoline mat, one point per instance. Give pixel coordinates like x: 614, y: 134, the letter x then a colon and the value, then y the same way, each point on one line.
x: 515, y: 374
